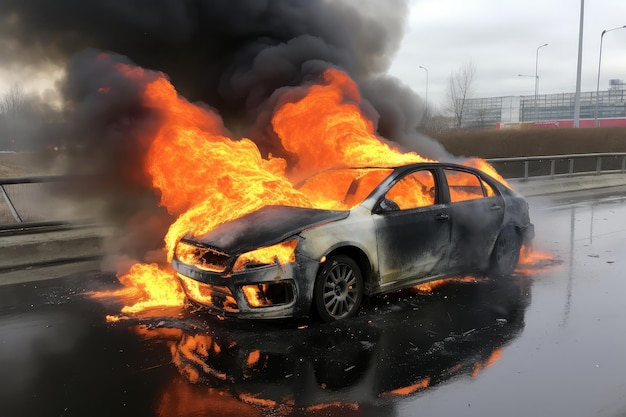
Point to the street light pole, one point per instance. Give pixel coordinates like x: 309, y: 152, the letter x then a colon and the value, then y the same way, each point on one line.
x: 579, y: 66
x: 537, y: 78
x: 532, y: 76
x: 426, y: 69
x: 595, y: 118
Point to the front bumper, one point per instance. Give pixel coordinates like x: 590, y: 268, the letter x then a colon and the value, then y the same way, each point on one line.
x: 272, y: 291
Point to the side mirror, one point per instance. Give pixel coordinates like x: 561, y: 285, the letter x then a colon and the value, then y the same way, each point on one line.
x: 385, y: 206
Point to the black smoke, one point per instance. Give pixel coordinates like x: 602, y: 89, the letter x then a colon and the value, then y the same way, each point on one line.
x: 108, y: 138
x: 231, y: 54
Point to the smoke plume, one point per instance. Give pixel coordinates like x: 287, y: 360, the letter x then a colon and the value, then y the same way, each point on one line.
x: 231, y: 54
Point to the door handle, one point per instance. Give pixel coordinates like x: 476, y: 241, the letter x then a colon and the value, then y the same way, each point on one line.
x: 442, y: 217
x: 496, y: 207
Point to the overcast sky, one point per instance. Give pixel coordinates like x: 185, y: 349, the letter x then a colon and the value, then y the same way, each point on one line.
x: 501, y: 38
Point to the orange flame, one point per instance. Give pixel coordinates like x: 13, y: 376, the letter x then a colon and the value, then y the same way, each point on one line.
x: 534, y: 262
x: 485, y: 167
x: 431, y: 286
x: 148, y: 286
x: 405, y: 391
x: 203, y: 174
x: 180, y: 398
x: 281, y: 253
x: 529, y: 256
x: 155, y: 287
x: 327, y: 129
x: 492, y: 359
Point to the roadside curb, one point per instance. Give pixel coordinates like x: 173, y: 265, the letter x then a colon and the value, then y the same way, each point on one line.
x: 45, y: 247
x: 44, y: 272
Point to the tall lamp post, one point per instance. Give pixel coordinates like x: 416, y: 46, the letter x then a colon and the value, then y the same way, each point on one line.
x: 532, y: 76
x: 426, y: 69
x: 595, y: 118
x: 537, y: 77
x: 579, y: 66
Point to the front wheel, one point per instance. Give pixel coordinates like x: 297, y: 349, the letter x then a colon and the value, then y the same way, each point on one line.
x: 338, y: 288
x: 505, y: 255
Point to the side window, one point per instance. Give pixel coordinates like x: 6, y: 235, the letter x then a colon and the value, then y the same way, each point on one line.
x: 464, y: 186
x: 413, y: 191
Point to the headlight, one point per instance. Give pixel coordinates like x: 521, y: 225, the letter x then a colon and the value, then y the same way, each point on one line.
x: 280, y: 253
x: 203, y: 258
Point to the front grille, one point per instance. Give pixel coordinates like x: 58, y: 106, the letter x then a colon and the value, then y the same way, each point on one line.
x: 205, y: 258
x: 213, y: 296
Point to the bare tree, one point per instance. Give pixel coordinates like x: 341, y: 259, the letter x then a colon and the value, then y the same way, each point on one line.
x: 13, y: 105
x: 434, y: 121
x: 460, y: 85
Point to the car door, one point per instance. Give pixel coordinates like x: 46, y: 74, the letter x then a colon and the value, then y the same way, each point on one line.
x: 477, y: 212
x: 412, y: 229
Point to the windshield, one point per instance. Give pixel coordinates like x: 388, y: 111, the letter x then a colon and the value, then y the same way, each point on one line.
x: 342, y: 189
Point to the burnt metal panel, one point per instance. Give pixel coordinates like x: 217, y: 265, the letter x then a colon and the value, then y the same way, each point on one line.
x: 264, y: 227
x: 412, y: 243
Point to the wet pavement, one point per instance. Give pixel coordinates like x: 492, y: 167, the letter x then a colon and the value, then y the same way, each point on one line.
x: 547, y: 341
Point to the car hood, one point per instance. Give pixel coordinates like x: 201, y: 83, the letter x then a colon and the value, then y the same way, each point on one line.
x: 264, y: 227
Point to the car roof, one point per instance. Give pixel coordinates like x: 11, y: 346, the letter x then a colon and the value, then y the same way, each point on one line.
x: 407, y: 167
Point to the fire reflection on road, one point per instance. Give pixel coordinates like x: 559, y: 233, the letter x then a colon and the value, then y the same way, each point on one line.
x: 400, y: 345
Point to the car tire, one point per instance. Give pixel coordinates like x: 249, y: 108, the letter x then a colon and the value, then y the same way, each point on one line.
x: 505, y: 254
x: 338, y: 289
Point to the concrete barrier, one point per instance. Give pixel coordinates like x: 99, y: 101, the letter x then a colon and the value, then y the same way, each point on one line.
x: 45, y: 247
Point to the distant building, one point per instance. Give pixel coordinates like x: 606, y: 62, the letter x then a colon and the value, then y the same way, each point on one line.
x: 548, y: 110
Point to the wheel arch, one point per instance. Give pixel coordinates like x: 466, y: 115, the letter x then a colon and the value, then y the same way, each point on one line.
x: 492, y: 269
x: 510, y: 224
x: 359, y: 256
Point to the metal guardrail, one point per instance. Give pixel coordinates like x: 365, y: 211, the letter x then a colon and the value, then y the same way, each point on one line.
x: 23, y: 207
x: 555, y: 166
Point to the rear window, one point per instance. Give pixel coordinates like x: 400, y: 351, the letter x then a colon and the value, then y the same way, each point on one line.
x: 464, y: 186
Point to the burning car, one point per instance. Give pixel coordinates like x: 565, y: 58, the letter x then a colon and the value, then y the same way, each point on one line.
x: 376, y: 230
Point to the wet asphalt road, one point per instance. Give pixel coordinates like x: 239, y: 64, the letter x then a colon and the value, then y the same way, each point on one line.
x: 549, y: 341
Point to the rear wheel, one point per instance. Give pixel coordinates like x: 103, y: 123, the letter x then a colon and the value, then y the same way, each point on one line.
x: 505, y: 255
x: 338, y: 288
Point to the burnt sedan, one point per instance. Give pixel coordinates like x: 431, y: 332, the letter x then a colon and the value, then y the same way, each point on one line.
x: 381, y: 229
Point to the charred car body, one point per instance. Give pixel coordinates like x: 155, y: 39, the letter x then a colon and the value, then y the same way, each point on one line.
x: 402, y: 226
